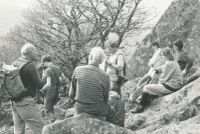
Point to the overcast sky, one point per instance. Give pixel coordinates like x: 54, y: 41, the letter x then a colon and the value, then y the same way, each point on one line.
x: 11, y: 11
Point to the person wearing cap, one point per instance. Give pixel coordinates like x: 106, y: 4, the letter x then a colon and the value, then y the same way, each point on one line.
x: 171, y: 80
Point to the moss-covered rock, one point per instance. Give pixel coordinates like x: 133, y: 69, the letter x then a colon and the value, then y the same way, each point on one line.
x: 84, y: 124
x: 164, y: 111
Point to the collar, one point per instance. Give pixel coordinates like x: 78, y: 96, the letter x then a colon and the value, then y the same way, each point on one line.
x: 94, y: 64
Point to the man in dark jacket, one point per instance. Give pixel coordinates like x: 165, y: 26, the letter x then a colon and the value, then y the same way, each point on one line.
x: 24, y: 111
x: 185, y: 62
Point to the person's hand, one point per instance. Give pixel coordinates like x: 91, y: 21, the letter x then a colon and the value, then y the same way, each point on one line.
x: 150, y: 65
x: 184, y: 72
x: 42, y: 91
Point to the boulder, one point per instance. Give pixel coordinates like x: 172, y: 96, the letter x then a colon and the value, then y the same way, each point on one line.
x: 84, y: 124
x: 64, y: 103
x: 180, y: 21
x: 191, y: 126
x: 174, y: 108
x: 127, y: 89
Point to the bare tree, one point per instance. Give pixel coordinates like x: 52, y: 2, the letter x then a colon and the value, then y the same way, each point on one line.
x: 67, y: 29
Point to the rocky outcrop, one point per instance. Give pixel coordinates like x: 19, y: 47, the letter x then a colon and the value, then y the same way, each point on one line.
x: 180, y: 21
x: 171, y: 110
x: 84, y: 124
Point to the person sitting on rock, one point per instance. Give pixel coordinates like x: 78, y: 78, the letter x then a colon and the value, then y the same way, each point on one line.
x: 156, y: 61
x: 90, y: 87
x: 51, y: 75
x: 171, y: 80
x: 185, y: 62
x: 116, y: 102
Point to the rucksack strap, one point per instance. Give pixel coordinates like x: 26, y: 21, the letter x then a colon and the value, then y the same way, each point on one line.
x: 124, y: 67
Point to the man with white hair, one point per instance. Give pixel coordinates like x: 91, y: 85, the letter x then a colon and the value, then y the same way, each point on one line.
x: 90, y: 87
x: 24, y: 111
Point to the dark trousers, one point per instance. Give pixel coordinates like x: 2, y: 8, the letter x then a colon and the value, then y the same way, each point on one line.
x: 146, y: 99
x: 100, y: 109
x: 115, y: 86
x: 51, y: 99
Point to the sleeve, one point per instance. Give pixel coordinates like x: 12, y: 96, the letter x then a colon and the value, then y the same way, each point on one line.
x: 150, y: 64
x: 184, y: 57
x: 166, y: 73
x: 160, y: 69
x: 154, y: 59
x: 34, y: 76
x: 72, y: 90
x: 193, y: 77
x: 120, y: 62
x: 47, y: 73
x: 189, y: 64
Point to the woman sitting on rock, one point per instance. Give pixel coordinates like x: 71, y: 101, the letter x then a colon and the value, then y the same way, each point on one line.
x: 171, y: 80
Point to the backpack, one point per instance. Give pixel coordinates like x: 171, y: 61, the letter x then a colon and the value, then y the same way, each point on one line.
x: 12, y: 87
x: 122, y: 79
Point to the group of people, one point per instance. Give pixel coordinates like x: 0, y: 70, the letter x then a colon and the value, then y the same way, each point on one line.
x: 95, y: 88
x: 24, y: 108
x: 170, y: 67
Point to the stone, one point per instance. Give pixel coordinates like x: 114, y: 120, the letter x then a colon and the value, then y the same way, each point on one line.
x: 84, y: 124
x: 180, y: 21
x: 177, y: 107
x: 64, y: 103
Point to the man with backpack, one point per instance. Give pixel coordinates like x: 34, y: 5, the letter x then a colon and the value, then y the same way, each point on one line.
x: 115, y: 65
x: 24, y: 110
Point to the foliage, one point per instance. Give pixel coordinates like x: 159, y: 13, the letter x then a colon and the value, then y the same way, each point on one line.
x: 67, y: 29
x: 8, y: 52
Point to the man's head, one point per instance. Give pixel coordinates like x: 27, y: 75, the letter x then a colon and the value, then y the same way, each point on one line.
x: 155, y: 45
x: 167, y: 53
x: 178, y: 45
x: 96, y: 56
x: 111, y: 44
x: 29, y: 51
x: 46, y: 60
